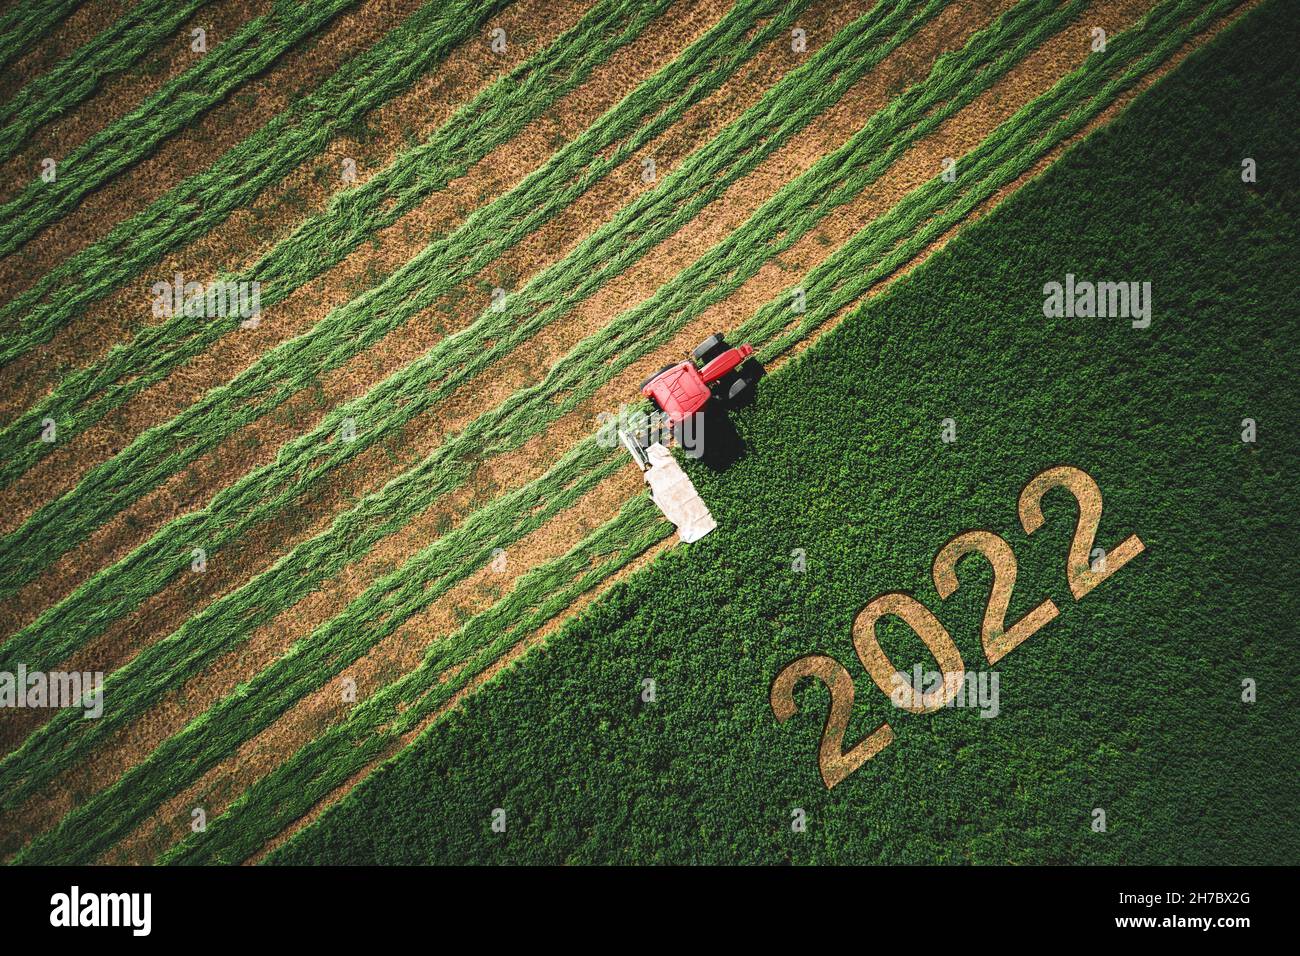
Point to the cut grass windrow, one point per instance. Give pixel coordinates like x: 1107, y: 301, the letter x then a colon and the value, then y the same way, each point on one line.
x: 382, y: 720
x: 201, y: 202
x: 451, y: 558
x: 250, y: 51
x: 24, y: 23
x: 267, y: 807
x: 75, y: 78
x: 494, y: 117
x: 987, y: 56
x: 519, y: 415
x: 351, y: 328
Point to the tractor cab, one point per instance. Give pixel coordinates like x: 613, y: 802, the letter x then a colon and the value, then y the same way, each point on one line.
x: 679, y: 391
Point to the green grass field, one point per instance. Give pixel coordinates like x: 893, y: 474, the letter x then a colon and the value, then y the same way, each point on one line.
x: 1130, y: 701
x: 361, y: 572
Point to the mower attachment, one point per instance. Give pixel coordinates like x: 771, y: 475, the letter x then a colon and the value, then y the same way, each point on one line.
x: 671, y: 489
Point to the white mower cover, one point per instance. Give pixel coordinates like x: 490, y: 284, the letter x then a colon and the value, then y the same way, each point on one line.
x: 673, y: 492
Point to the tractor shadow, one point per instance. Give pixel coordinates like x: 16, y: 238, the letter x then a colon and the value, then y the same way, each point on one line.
x: 717, y: 445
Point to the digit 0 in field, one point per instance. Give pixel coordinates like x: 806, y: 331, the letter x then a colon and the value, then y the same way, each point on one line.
x: 927, y: 627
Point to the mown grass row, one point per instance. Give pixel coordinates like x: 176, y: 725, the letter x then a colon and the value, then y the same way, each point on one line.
x: 845, y: 460
x: 492, y: 119
x: 266, y: 682
x: 183, y: 757
x: 987, y: 56
x: 25, y: 23
x: 201, y: 202
x: 346, y: 331
x: 309, y: 563
x: 75, y: 78
x: 379, y: 722
x: 111, y: 151
x: 291, y: 790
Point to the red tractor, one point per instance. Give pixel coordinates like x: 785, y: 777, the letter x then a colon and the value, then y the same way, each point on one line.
x: 684, y: 388
x: 715, y: 373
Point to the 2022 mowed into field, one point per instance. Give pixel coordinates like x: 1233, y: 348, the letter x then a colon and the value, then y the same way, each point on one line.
x: 1086, y: 567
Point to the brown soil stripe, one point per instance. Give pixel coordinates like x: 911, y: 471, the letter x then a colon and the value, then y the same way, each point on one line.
x: 254, y: 230
x: 120, y: 94
x: 302, y: 68
x: 83, y: 23
x: 829, y: 131
x: 258, y: 444
x: 540, y: 637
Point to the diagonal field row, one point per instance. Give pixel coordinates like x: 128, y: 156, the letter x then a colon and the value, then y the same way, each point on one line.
x: 271, y: 96
x: 115, y: 96
x: 455, y: 363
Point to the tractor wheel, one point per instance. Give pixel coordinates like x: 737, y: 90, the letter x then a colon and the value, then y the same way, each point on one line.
x: 739, y: 390
x: 657, y: 374
x: 710, y: 349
